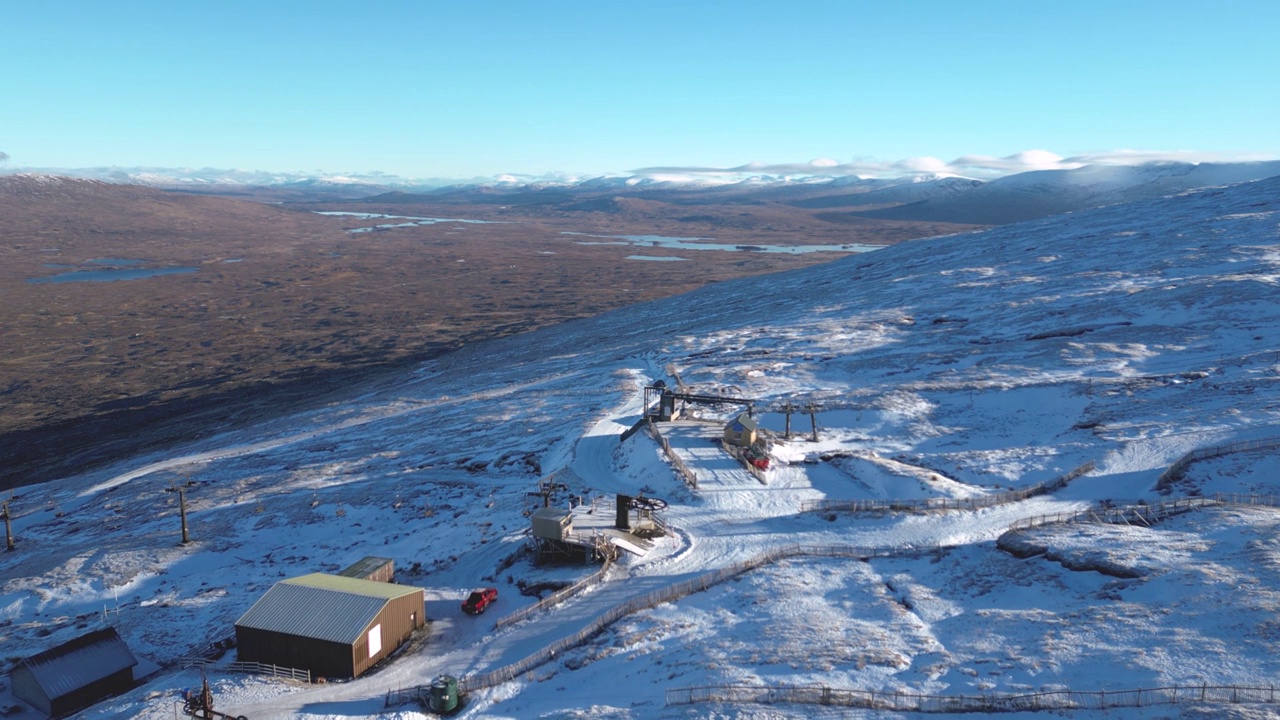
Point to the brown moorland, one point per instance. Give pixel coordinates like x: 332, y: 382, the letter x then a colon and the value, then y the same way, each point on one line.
x: 270, y: 307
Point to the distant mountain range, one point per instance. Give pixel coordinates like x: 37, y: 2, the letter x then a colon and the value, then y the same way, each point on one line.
x: 934, y: 197
x: 1048, y: 192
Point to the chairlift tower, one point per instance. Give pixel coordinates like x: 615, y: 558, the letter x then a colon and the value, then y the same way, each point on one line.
x: 8, y: 527
x: 182, y: 510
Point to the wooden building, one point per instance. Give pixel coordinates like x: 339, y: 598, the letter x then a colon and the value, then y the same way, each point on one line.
x: 377, y: 569
x: 75, y: 674
x: 551, y: 523
x: 741, y: 431
x: 333, y: 626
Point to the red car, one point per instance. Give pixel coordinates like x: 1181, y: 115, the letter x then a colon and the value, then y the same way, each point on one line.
x: 479, y: 600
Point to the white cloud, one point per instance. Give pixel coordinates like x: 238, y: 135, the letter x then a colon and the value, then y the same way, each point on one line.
x: 1024, y: 161
x: 922, y: 165
x: 1137, y: 157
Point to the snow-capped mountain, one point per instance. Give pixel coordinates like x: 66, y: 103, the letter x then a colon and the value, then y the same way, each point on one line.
x: 1047, y: 192
x: 887, y: 193
x: 931, y: 196
x: 948, y: 369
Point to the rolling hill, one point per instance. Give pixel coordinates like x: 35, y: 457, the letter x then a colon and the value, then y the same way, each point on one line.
x: 963, y: 373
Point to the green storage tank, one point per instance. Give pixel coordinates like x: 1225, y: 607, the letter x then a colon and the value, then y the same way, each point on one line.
x: 444, y: 694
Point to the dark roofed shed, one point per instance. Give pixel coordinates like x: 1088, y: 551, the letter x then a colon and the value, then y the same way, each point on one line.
x: 377, y: 569
x: 75, y: 674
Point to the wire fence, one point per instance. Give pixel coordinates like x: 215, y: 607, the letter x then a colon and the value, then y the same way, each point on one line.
x: 923, y: 505
x: 690, y: 478
x: 1178, y: 470
x: 984, y: 703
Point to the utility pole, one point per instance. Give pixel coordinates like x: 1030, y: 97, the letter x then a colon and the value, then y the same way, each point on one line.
x: 8, y: 528
x: 182, y: 509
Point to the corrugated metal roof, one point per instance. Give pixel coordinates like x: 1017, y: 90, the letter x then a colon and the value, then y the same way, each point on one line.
x: 366, y: 566
x: 325, y: 607
x: 553, y: 514
x: 72, y: 665
x: 355, y: 586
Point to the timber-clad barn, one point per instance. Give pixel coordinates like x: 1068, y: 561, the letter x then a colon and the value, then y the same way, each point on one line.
x: 75, y: 674
x: 331, y: 625
x: 378, y: 569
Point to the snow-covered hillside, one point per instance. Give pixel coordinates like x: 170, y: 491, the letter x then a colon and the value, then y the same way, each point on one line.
x: 955, y: 367
x: 1046, y: 192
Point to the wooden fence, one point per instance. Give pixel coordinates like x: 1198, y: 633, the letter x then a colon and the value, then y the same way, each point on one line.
x: 555, y: 598
x: 1147, y: 515
x: 702, y: 582
x: 740, y: 455
x: 992, y: 702
x: 472, y: 683
x: 1178, y: 469
x: 922, y: 505
x: 252, y: 668
x: 984, y: 703
x: 689, y: 478
x: 667, y: 594
x: 637, y: 427
x: 272, y: 670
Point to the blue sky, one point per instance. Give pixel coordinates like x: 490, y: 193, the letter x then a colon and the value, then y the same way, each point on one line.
x: 466, y: 89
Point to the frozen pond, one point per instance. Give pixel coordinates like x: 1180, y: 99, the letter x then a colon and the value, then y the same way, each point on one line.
x: 662, y: 241
x: 409, y: 220
x: 110, y: 274
x: 702, y: 243
x: 656, y: 258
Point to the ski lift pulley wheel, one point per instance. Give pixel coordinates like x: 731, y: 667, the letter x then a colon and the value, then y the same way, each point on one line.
x: 648, y: 503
